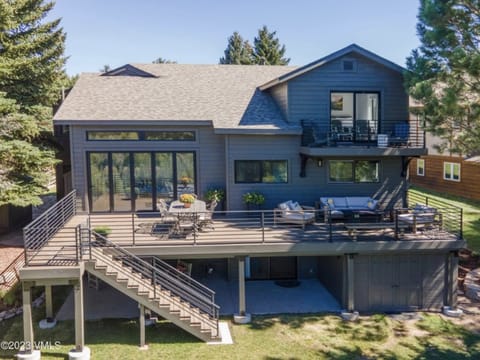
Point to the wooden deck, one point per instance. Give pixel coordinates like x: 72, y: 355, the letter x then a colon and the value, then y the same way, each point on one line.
x: 141, y: 231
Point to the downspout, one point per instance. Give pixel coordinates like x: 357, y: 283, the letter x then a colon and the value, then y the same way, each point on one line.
x: 227, y: 172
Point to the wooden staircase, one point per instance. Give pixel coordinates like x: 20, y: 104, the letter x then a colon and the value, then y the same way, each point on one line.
x: 162, y: 289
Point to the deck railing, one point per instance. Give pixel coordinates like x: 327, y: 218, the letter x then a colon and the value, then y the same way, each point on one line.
x: 162, y: 275
x: 452, y: 216
x: 9, y: 276
x: 384, y: 133
x: 267, y: 226
x: 42, y: 229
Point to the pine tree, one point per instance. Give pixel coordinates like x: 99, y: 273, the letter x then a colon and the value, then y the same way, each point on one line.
x: 238, y: 51
x: 445, y: 72
x: 31, y: 78
x: 24, y: 170
x: 31, y: 53
x: 161, y: 60
x: 267, y: 49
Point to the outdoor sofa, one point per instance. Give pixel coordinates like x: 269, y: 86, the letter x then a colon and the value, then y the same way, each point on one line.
x: 336, y: 207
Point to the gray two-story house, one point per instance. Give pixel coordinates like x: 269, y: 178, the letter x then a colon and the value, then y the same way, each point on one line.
x: 335, y: 128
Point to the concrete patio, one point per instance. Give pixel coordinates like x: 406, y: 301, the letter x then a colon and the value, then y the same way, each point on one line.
x: 262, y: 297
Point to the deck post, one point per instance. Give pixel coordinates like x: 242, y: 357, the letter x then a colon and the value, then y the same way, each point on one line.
x: 48, y: 302
x: 79, y: 315
x: 242, y: 317
x: 49, y: 322
x: 141, y: 324
x: 451, y: 274
x: 27, y: 316
x: 350, y: 300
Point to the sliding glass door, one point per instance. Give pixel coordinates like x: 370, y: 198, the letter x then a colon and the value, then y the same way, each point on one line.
x: 99, y: 189
x: 354, y: 115
x: 143, y: 181
x: 134, y: 181
x: 122, y: 187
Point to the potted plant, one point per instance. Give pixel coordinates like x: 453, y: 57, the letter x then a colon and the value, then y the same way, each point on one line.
x: 254, y: 200
x: 102, y: 230
x: 187, y: 200
x: 214, y: 194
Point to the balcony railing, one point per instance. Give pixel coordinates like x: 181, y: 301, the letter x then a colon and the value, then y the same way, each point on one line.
x: 50, y: 241
x: 382, y: 133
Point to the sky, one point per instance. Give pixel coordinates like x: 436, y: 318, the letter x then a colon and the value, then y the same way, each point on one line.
x: 117, y: 32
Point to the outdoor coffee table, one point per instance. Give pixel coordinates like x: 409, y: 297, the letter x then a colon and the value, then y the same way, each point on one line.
x: 354, y: 227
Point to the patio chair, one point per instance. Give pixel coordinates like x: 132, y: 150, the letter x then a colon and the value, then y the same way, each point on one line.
x: 206, y: 219
x: 165, y: 215
x: 400, y: 135
x: 293, y: 213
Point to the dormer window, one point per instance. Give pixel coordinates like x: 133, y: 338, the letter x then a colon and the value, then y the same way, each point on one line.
x: 349, y: 65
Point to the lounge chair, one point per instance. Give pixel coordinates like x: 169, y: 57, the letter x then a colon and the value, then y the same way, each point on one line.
x: 293, y: 213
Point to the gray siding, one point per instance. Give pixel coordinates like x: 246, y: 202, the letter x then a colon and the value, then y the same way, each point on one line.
x: 309, y: 189
x: 399, y: 282
x: 309, y: 94
x: 280, y: 95
x: 209, y: 148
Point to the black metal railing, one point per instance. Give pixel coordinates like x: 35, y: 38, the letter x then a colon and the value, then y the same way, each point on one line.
x: 161, y: 275
x: 382, y: 133
x: 271, y: 226
x: 452, y: 216
x: 41, y: 230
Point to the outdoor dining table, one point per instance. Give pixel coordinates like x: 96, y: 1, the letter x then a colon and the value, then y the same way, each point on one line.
x: 178, y: 208
x: 187, y: 216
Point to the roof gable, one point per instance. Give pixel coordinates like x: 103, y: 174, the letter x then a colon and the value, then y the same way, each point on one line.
x: 353, y: 48
x: 128, y: 70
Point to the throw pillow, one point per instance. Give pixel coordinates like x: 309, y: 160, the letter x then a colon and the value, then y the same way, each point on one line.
x: 297, y: 207
x: 283, y: 206
x: 331, y: 203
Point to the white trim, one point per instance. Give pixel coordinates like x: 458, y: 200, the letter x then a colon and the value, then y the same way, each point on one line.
x: 452, y: 167
x: 421, y: 161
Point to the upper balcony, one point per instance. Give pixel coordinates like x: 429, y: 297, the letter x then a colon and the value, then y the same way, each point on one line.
x: 366, y: 137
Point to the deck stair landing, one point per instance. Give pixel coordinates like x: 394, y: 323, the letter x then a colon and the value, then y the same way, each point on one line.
x: 157, y: 286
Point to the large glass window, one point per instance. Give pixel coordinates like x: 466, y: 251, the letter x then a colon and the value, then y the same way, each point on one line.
x: 164, y: 174
x: 451, y: 171
x: 354, y: 116
x: 112, y: 135
x: 122, y: 188
x: 141, y: 135
x: 185, y: 173
x: 261, y: 171
x: 99, y: 182
x: 353, y: 171
x: 170, y: 135
x: 126, y: 181
x: 143, y: 181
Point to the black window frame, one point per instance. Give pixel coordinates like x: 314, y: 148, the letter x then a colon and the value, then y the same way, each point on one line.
x: 262, y: 171
x: 354, y: 166
x: 142, y: 135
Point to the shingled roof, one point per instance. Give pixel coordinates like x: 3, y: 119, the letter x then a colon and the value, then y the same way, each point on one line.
x: 225, y: 95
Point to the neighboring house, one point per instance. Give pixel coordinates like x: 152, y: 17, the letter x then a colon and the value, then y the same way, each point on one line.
x: 445, y: 172
x: 336, y: 127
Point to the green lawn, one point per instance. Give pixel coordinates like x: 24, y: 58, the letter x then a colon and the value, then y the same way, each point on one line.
x: 471, y: 215
x: 269, y: 337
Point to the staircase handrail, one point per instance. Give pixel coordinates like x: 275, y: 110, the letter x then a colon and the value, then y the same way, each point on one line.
x: 41, y: 230
x: 166, y: 277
